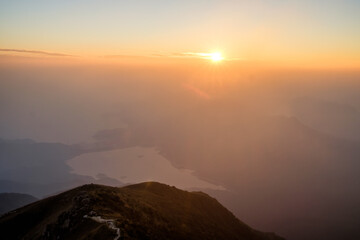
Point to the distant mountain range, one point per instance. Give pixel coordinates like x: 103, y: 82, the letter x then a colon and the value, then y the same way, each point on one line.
x: 10, y: 201
x: 143, y: 211
x: 40, y: 169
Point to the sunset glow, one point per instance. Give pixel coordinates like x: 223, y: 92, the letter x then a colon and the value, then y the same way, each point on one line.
x: 216, y: 57
x: 296, y: 33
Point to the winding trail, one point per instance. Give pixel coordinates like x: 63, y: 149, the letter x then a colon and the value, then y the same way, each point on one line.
x: 109, y: 222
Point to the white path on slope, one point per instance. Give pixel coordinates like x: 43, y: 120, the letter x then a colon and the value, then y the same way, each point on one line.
x: 109, y: 222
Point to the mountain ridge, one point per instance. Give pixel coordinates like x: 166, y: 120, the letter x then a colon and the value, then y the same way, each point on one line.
x: 147, y: 210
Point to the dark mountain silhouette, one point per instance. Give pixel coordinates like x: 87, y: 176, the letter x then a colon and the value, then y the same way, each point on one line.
x: 337, y: 119
x: 10, y: 201
x: 40, y: 169
x: 143, y: 211
x: 28, y: 161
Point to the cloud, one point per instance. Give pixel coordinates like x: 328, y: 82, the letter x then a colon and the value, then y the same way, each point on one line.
x: 121, y: 56
x: 192, y: 54
x: 203, y: 56
x: 35, y: 52
x: 166, y: 55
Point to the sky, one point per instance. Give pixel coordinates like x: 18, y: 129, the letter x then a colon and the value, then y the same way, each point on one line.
x: 318, y: 33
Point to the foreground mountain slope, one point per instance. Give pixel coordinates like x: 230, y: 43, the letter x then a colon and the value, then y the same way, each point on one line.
x: 142, y: 211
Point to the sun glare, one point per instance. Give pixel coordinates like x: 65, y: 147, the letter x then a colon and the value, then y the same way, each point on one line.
x: 216, y: 57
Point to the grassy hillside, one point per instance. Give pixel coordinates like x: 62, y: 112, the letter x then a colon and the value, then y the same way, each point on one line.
x: 142, y: 211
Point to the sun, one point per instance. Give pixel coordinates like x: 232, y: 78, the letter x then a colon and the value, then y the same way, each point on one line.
x: 216, y: 57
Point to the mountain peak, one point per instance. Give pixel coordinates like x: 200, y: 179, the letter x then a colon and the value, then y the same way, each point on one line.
x: 149, y: 210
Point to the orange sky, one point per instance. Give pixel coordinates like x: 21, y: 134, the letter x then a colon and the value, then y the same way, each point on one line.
x: 301, y: 34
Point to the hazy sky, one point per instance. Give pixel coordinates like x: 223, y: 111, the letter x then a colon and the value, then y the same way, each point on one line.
x: 275, y: 31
